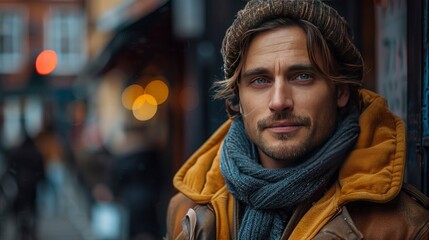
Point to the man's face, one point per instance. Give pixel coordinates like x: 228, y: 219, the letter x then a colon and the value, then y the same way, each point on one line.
x: 287, y: 108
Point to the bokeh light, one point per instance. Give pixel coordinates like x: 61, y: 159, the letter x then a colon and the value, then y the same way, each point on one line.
x: 158, y: 89
x: 130, y: 94
x: 144, y: 107
x: 46, y: 62
x: 189, y: 99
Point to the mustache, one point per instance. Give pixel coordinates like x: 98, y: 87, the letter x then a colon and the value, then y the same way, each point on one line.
x: 284, y: 116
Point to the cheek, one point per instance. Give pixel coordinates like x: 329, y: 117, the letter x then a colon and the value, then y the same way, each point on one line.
x: 324, y: 119
x: 320, y: 108
x: 252, y: 110
x: 252, y: 104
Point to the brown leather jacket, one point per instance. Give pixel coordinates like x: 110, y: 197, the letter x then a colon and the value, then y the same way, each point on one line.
x: 404, y: 217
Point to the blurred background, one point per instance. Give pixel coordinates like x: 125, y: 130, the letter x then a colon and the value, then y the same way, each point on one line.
x: 101, y: 101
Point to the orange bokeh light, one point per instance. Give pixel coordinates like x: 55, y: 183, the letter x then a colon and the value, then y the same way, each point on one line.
x: 130, y: 94
x: 46, y: 62
x: 158, y: 89
x: 145, y: 107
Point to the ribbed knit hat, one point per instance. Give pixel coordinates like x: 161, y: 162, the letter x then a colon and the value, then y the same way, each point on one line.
x: 333, y: 27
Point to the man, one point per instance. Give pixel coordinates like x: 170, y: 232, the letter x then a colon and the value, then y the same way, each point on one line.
x: 307, y: 153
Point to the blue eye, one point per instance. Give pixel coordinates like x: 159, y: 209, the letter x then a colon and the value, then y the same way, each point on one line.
x: 260, y: 81
x: 304, y: 77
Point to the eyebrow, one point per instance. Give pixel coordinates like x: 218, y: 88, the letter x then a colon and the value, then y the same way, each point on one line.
x: 254, y: 71
x: 293, y: 68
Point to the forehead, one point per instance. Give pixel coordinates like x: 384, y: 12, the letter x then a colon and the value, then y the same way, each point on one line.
x: 285, y: 42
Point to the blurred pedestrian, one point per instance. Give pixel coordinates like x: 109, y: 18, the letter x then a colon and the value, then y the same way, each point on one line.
x: 26, y: 163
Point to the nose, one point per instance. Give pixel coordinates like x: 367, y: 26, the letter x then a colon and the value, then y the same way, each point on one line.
x: 281, y: 96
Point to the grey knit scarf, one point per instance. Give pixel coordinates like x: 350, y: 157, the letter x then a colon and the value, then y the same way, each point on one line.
x: 269, y: 195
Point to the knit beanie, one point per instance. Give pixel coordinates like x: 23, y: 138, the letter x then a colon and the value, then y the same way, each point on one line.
x: 333, y: 27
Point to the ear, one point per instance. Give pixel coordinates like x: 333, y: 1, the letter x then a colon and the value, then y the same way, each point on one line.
x: 343, y: 95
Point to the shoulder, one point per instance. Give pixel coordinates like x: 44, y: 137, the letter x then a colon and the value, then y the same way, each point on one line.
x: 188, y: 220
x: 177, y: 208
x: 406, y: 216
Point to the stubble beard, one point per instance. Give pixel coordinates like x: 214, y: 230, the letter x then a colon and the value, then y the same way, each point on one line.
x: 284, y: 151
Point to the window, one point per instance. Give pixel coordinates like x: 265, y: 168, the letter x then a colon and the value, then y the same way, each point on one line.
x: 11, y: 40
x: 66, y: 36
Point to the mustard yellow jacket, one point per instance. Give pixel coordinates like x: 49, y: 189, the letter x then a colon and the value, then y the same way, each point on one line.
x: 374, y: 171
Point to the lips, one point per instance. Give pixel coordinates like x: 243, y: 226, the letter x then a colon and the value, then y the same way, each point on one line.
x: 283, y: 123
x: 284, y: 127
